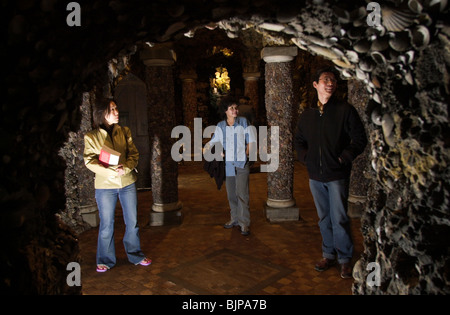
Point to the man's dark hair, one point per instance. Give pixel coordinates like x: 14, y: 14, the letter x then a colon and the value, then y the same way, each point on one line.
x: 101, y: 109
x: 323, y: 70
x: 226, y: 102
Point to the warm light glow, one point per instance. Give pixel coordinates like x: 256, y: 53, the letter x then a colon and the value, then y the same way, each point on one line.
x: 221, y: 83
x: 227, y: 52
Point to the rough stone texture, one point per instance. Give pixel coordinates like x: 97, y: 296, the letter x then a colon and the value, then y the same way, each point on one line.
x: 279, y: 113
x: 48, y: 66
x: 251, y: 87
x: 251, y: 64
x: 161, y: 120
x: 79, y: 183
x: 189, y: 101
x: 406, y: 224
x: 359, y: 180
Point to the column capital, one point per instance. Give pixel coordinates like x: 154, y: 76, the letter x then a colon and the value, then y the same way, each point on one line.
x: 187, y: 77
x: 251, y: 76
x: 159, y: 57
x: 278, y: 54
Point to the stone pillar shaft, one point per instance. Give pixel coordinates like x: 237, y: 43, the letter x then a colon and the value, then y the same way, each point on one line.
x: 279, y: 97
x: 189, y: 94
x: 161, y: 121
x: 251, y: 91
x: 161, y: 116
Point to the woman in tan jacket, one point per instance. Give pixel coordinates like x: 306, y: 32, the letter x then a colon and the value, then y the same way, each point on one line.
x: 112, y: 182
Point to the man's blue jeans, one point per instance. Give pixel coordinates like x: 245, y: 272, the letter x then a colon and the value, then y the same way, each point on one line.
x: 106, y: 202
x: 331, y: 200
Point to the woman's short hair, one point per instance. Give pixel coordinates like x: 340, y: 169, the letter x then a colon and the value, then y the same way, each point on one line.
x: 101, y: 109
x: 226, y: 102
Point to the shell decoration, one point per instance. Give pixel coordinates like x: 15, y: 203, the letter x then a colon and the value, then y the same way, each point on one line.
x: 395, y: 20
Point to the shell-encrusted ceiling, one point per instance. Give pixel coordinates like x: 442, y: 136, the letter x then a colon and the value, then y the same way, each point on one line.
x: 355, y: 47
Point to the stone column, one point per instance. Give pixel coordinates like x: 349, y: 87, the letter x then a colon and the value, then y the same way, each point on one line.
x: 251, y: 91
x: 161, y: 121
x: 250, y: 59
x: 189, y: 95
x: 279, y: 97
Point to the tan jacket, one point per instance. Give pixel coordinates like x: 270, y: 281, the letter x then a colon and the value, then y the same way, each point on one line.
x: 107, y: 177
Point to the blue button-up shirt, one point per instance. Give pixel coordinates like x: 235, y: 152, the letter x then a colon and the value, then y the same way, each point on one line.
x: 234, y: 140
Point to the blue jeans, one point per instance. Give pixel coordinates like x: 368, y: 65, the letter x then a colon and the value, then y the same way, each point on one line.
x: 106, y: 202
x: 331, y: 200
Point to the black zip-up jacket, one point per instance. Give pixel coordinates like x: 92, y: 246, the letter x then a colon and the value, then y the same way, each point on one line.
x: 328, y: 143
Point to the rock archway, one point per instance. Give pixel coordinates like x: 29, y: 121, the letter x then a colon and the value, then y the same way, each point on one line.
x: 403, y: 62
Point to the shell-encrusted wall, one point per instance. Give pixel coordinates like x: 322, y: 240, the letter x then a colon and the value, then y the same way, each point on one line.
x: 403, y: 63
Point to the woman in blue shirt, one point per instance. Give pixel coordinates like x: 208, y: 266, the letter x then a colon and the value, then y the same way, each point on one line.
x: 238, y: 139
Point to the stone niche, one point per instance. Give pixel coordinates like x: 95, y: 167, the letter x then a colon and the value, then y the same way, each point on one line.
x: 49, y: 65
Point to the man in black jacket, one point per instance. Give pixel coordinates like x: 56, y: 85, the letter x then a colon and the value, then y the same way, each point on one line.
x: 329, y: 136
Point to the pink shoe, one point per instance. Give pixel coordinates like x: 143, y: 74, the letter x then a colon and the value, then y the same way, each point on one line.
x: 145, y: 262
x: 102, y: 268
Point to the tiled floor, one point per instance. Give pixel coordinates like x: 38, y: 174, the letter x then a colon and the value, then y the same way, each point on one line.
x: 201, y: 257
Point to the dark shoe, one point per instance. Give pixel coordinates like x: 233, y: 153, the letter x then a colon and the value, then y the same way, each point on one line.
x: 230, y: 224
x: 245, y: 230
x: 324, y: 264
x: 346, y: 270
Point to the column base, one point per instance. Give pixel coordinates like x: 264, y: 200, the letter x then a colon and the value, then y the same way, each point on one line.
x: 166, y: 214
x: 165, y: 218
x: 166, y: 206
x: 282, y: 210
x: 90, y: 215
